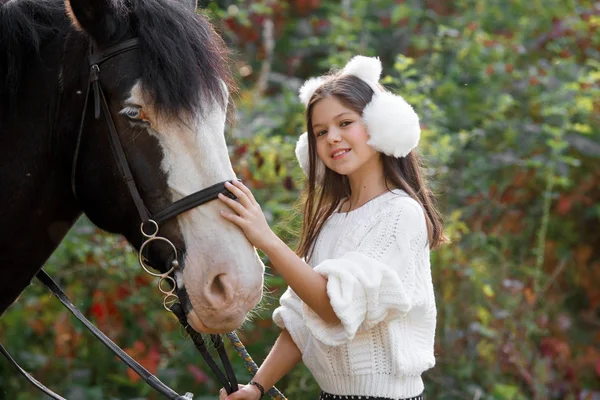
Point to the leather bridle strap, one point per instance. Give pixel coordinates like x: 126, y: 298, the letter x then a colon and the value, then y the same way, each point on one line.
x: 30, y: 378
x: 110, y: 52
x: 220, y: 346
x: 118, y: 152
x: 100, y: 101
x: 191, y: 201
x: 101, y: 105
x: 230, y: 382
x: 150, y: 379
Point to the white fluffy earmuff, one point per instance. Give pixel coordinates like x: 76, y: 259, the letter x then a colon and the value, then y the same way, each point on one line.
x: 392, y: 124
x: 302, y: 154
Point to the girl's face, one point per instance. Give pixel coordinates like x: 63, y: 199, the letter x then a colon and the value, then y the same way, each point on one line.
x: 341, y: 138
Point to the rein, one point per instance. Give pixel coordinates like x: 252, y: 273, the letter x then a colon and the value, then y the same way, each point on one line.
x: 149, y: 228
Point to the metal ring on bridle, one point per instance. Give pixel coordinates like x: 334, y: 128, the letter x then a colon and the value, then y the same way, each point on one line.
x: 155, y: 229
x: 147, y: 267
x: 169, y: 300
x: 170, y: 280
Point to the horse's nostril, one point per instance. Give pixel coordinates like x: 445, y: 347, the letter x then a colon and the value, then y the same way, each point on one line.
x: 217, y: 287
x: 220, y: 290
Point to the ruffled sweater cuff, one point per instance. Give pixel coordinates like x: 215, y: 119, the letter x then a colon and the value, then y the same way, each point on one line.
x: 288, y: 316
x: 362, y: 292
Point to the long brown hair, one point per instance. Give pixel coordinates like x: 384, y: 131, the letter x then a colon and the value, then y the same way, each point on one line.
x: 320, y: 201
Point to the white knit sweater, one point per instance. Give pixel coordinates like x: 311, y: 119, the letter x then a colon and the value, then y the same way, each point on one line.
x: 376, y: 260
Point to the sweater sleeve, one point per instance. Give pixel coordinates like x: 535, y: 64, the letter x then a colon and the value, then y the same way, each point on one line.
x: 289, y: 316
x: 377, y: 279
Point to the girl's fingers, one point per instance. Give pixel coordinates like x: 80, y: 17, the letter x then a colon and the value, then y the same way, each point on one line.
x: 244, y: 189
x: 235, y: 206
x: 238, y: 193
x: 236, y: 219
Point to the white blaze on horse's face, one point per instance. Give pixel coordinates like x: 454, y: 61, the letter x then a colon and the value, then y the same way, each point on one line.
x: 223, y: 274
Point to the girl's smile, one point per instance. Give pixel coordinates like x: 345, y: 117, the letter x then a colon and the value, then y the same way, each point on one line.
x: 339, y: 153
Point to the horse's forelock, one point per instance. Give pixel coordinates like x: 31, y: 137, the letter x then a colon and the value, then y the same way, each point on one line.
x: 184, y: 61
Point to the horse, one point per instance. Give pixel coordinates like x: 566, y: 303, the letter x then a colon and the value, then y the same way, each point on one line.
x: 159, y: 90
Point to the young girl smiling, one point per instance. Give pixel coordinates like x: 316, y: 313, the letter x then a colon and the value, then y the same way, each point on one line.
x: 360, y: 308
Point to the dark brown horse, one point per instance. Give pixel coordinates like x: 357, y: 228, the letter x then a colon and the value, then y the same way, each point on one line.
x: 168, y: 99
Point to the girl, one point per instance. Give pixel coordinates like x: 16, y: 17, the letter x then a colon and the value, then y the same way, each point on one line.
x: 360, y: 311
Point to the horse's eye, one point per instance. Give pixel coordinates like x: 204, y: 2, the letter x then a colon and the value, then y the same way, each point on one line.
x: 131, y: 112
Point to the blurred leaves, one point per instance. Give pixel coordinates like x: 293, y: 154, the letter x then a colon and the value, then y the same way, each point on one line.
x: 509, y: 99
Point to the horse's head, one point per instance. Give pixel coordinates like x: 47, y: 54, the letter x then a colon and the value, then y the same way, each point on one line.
x: 168, y: 100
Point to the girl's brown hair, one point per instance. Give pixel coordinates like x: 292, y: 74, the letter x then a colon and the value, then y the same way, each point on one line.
x: 320, y: 201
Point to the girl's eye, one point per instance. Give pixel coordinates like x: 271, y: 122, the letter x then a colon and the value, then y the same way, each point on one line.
x: 134, y: 113
x: 345, y: 123
x: 321, y: 133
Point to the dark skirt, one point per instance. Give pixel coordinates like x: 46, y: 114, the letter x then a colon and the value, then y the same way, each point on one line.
x: 329, y: 396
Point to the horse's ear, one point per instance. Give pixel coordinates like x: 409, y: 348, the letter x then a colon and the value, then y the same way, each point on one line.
x: 97, y: 18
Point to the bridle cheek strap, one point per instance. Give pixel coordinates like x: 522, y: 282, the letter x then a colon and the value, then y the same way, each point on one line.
x: 101, y: 107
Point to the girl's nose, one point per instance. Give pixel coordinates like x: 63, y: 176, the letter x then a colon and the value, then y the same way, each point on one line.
x: 334, y: 136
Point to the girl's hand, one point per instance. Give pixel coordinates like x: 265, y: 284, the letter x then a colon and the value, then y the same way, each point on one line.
x: 248, y: 215
x: 245, y: 392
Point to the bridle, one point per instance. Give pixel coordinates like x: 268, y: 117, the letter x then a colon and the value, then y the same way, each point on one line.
x: 149, y: 223
x: 149, y: 228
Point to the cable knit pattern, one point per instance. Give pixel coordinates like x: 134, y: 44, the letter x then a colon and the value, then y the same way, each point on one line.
x: 376, y: 261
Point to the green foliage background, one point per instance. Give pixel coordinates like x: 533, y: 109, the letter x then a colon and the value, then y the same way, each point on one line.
x: 509, y: 97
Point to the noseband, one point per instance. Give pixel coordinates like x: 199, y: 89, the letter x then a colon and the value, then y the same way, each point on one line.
x: 149, y: 228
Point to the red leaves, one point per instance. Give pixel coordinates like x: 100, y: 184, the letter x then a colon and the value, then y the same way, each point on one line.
x: 555, y: 348
x: 563, y: 205
x: 534, y: 81
x: 148, y: 357
x: 305, y: 7
x: 105, y: 311
x: 98, y: 311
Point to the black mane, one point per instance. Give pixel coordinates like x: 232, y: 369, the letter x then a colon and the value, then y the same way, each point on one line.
x: 183, y: 60
x: 24, y: 25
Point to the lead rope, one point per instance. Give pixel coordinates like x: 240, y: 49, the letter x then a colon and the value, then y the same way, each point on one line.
x: 150, y: 379
x: 250, y: 364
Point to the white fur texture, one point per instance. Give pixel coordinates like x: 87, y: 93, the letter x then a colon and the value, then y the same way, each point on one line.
x: 392, y: 124
x: 302, y: 154
x: 195, y: 156
x: 366, y: 68
x: 309, y: 87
